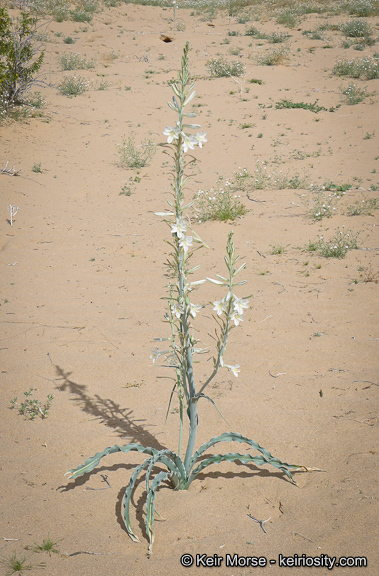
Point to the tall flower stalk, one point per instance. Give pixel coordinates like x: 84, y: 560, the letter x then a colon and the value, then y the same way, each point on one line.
x: 181, y: 471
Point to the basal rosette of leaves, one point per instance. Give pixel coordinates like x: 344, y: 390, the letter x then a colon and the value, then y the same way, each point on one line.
x: 176, y: 469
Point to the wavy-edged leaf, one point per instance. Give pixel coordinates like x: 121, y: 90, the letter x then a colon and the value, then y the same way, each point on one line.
x: 232, y: 457
x: 173, y: 462
x: 150, y: 508
x: 266, y: 458
x: 127, y: 496
x: 92, y: 462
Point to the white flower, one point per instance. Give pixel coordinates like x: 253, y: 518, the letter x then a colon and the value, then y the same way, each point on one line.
x: 237, y: 318
x: 185, y: 242
x: 171, y: 133
x: 188, y: 142
x: 194, y: 309
x: 235, y: 369
x: 176, y: 309
x: 219, y: 307
x: 179, y: 228
x: 155, y: 355
x: 201, y: 138
x: 239, y: 304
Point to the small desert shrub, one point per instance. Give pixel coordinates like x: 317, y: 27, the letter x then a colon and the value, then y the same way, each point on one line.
x: 277, y: 37
x: 73, y: 85
x: 367, y: 68
x: 69, y: 61
x: 338, y: 246
x: 261, y: 179
x: 219, y: 203
x: 220, y: 67
x: 287, y: 18
x: 356, y: 28
x: 135, y: 156
x: 321, y: 204
x: 81, y: 16
x: 273, y: 57
x: 360, y: 7
x: 253, y: 31
x: 68, y: 40
x: 354, y: 94
x: 365, y: 206
x: 277, y: 249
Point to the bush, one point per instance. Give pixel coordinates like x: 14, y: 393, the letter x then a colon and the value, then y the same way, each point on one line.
x: 73, y: 86
x: 69, y: 61
x: 219, y: 67
x: 135, y: 156
x: 356, y: 28
x: 21, y: 56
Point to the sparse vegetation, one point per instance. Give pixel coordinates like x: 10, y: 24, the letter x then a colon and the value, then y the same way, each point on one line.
x: 366, y: 206
x: 73, y: 85
x: 48, y: 546
x: 135, y: 156
x: 366, y: 68
x: 219, y: 203
x: 353, y: 94
x: 273, y: 57
x: 220, y: 67
x: 32, y: 407
x: 313, y: 107
x: 70, y: 61
x: 338, y: 246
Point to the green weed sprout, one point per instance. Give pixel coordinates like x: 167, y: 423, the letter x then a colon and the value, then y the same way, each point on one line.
x: 32, y: 407
x: 180, y: 470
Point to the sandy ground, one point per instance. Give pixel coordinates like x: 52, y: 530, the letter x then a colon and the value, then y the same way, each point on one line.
x: 82, y: 277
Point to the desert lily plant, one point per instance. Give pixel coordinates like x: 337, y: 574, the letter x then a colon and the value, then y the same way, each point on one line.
x: 177, y: 469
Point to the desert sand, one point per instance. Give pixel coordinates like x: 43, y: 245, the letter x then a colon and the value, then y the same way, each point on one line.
x: 82, y: 282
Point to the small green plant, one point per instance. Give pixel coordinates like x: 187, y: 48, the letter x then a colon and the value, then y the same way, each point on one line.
x: 321, y: 204
x: 273, y: 57
x: 368, y: 274
x: 32, y: 407
x: 219, y: 203
x: 220, y: 67
x: 68, y: 40
x: 14, y: 564
x: 277, y: 249
x: 37, y: 168
x: 81, y: 16
x: 313, y: 107
x: 164, y: 465
x: 365, y: 206
x: 73, y: 85
x: 48, y: 546
x: 135, y: 156
x: 277, y: 37
x: 353, y: 94
x: 287, y: 18
x: 70, y: 61
x: 338, y: 246
x: 253, y: 31
x: 256, y: 81
x: 125, y: 191
x: 367, y: 68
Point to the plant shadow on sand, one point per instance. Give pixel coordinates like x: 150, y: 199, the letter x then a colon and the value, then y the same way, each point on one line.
x: 109, y: 412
